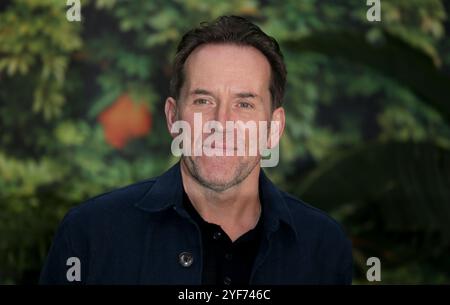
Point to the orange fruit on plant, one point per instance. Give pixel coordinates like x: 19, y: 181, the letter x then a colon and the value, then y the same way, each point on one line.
x: 125, y: 120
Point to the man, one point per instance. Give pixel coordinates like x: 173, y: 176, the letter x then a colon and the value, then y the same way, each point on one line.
x: 210, y: 219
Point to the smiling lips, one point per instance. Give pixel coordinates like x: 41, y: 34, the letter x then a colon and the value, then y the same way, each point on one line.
x: 223, y: 146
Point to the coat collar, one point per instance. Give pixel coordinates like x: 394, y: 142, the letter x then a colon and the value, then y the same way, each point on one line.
x: 167, y: 192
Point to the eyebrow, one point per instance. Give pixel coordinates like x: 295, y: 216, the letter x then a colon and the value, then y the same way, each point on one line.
x: 200, y: 91
x: 246, y: 95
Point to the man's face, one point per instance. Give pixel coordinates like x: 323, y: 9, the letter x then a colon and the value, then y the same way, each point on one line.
x: 224, y: 82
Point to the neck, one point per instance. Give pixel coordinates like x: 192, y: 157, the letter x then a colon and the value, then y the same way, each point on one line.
x: 236, y: 209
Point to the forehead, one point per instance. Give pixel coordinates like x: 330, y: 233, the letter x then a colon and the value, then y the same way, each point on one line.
x: 227, y: 66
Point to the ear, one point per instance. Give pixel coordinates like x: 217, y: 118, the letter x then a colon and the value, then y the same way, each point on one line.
x: 278, y: 116
x: 170, y: 109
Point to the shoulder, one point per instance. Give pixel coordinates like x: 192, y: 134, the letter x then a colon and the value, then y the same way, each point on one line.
x: 323, y: 241
x: 90, y: 230
x: 112, y: 204
x: 314, y: 224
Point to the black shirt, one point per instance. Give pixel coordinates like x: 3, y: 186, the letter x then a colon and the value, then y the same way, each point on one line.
x: 151, y: 232
x: 225, y: 262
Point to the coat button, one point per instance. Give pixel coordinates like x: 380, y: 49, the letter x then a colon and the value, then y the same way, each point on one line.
x: 185, y: 259
x: 227, y: 280
x: 217, y: 235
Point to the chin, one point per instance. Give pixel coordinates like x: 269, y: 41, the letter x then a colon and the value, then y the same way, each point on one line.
x: 220, y: 173
x: 218, y: 168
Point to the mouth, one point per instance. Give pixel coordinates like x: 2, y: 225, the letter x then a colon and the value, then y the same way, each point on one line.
x: 223, y: 147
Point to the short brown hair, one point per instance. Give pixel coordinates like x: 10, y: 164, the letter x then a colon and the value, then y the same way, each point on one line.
x: 235, y: 30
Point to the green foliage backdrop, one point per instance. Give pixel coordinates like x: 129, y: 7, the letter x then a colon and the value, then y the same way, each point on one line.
x: 367, y: 103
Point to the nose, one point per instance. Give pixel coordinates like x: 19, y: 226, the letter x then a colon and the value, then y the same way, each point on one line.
x: 223, y: 113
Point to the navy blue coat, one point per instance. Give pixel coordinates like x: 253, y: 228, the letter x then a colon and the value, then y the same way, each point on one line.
x: 134, y: 235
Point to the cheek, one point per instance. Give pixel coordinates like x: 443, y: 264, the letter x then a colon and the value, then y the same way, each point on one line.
x: 260, y: 115
x: 186, y: 114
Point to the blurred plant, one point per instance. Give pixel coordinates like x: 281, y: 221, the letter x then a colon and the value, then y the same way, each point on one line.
x: 36, y: 39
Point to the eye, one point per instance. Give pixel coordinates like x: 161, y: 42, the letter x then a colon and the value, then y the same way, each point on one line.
x: 201, y: 101
x: 245, y: 105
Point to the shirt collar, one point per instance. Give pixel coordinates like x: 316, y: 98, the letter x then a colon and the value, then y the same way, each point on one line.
x: 167, y: 192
